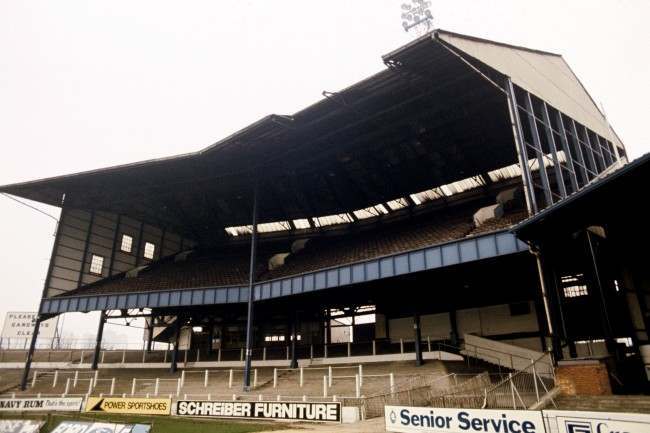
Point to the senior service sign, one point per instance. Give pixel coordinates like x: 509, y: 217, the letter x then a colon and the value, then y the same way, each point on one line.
x: 430, y: 419
x: 301, y: 411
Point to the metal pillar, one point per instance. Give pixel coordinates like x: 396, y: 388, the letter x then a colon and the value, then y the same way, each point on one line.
x: 251, y: 297
x: 210, y: 337
x: 30, y: 353
x: 522, y: 154
x: 39, y: 318
x: 453, y: 322
x: 98, y: 343
x: 177, y: 335
x: 294, y: 338
x: 607, y: 325
x: 553, y: 333
x: 418, y: 338
x: 150, y: 335
x: 328, y: 327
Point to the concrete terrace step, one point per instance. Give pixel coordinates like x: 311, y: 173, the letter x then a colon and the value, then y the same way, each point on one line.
x: 376, y: 379
x: 614, y: 403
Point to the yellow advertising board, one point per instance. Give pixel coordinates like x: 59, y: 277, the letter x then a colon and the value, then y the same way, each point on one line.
x: 136, y: 406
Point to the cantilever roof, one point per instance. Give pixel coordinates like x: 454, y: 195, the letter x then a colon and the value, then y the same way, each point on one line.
x: 427, y: 120
x: 544, y: 74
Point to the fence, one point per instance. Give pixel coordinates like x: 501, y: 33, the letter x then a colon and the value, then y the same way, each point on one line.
x: 505, y: 355
x: 422, y: 394
x: 81, y: 351
x: 522, y: 389
x: 519, y: 390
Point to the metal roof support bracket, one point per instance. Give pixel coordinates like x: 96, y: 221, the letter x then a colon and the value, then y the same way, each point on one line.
x: 522, y: 155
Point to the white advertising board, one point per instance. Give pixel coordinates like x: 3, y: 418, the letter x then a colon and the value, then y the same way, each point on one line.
x: 20, y: 325
x: 100, y: 427
x: 71, y: 404
x: 430, y: 419
x: 561, y: 421
x: 300, y: 411
x: 20, y: 426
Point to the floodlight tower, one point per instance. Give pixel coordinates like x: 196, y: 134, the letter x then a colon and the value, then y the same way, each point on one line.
x: 416, y: 16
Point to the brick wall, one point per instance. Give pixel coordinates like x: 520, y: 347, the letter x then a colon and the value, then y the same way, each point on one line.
x: 583, y: 378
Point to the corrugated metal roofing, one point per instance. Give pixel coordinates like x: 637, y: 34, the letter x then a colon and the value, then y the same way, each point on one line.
x: 543, y: 74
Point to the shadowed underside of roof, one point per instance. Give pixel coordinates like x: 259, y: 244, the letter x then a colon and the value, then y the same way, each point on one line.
x: 427, y: 120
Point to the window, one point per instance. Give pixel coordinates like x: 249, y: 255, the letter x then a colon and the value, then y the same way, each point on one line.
x: 574, y: 286
x: 127, y: 244
x: 149, y: 250
x: 96, y: 264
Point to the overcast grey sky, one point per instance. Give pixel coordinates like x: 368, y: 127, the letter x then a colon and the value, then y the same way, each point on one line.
x: 87, y: 84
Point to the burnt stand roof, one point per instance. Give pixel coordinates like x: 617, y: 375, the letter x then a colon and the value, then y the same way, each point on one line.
x: 426, y: 120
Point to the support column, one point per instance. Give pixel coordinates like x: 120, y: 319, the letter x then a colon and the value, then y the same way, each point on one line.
x: 541, y: 325
x: 294, y: 339
x: 98, y: 343
x: 251, y: 297
x: 328, y: 327
x: 602, y: 297
x: 453, y: 324
x: 639, y: 309
x: 418, y: 338
x: 522, y: 154
x: 150, y: 334
x: 553, y: 333
x: 30, y: 353
x: 177, y: 335
x: 210, y: 336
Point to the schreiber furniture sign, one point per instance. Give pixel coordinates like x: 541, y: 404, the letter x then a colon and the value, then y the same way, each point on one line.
x: 301, y: 411
x: 429, y: 419
x: 40, y: 404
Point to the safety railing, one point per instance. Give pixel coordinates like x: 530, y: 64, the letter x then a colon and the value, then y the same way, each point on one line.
x: 506, y: 355
x: 409, y: 393
x: 522, y: 389
x: 114, y: 354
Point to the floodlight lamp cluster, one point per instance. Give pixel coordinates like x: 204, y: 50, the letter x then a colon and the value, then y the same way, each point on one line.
x: 416, y: 15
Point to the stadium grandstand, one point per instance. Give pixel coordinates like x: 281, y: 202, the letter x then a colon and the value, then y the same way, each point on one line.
x: 469, y: 200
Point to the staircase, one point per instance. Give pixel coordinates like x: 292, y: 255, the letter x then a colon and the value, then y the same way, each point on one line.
x: 608, y: 403
x: 505, y: 355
